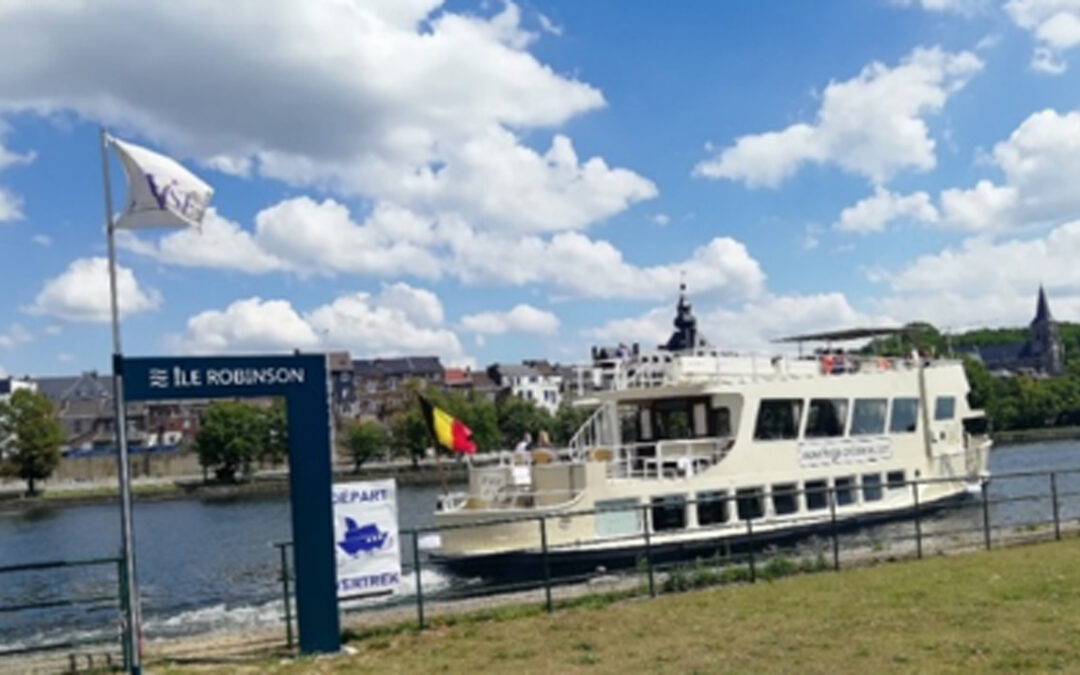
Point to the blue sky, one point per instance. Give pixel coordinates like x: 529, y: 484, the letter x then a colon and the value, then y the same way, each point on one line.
x: 490, y: 181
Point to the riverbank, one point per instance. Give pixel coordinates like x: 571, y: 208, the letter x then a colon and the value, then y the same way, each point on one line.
x: 1005, y: 610
x: 1034, y: 435
x: 193, y: 487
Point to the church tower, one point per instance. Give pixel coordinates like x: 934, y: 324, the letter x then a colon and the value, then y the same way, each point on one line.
x: 1045, y: 338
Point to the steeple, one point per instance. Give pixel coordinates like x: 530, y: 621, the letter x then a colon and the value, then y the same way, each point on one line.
x: 685, y: 336
x: 1042, y: 309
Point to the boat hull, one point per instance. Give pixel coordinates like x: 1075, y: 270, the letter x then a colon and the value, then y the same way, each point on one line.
x: 529, y: 564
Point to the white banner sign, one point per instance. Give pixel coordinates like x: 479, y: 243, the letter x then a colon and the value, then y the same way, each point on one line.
x: 825, y: 453
x: 366, y: 538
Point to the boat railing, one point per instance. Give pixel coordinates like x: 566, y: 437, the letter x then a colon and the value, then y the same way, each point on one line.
x: 673, y: 458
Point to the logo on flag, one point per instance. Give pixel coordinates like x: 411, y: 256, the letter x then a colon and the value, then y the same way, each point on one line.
x: 161, y: 192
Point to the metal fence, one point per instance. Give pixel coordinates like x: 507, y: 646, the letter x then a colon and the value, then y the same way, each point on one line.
x: 91, y: 652
x: 1008, y: 509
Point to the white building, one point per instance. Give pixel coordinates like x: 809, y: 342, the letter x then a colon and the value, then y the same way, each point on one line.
x: 530, y: 383
x: 10, y: 385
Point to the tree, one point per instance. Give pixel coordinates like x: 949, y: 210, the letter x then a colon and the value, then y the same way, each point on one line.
x: 568, y: 420
x: 518, y: 416
x: 231, y: 436
x: 365, y: 440
x: 30, y: 438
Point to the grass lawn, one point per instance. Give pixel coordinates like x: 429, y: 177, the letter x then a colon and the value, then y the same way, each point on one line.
x: 1008, y: 610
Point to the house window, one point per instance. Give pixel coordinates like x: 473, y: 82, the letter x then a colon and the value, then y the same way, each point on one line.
x: 784, y: 499
x: 871, y: 487
x: 895, y: 480
x: 669, y: 513
x: 944, y: 408
x: 371, y: 386
x: 905, y: 415
x: 750, y: 503
x: 868, y: 416
x: 778, y: 419
x: 845, y: 496
x: 826, y: 417
x: 816, y: 495
x: 712, y: 508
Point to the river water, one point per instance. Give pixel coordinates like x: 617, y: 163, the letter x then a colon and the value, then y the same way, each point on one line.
x: 208, y: 565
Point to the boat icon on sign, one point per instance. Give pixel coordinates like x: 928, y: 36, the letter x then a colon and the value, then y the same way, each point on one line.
x: 365, y: 538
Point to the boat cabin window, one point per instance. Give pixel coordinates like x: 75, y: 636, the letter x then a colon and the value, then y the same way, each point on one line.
x: 871, y: 487
x: 868, y: 416
x: 816, y: 495
x: 701, y: 419
x: 896, y: 480
x: 669, y: 513
x: 826, y: 417
x: 750, y: 503
x: 944, y: 408
x: 712, y: 507
x: 845, y: 496
x: 723, y: 421
x: 977, y: 426
x: 784, y: 499
x: 645, y: 424
x: 617, y: 518
x: 905, y: 415
x: 778, y: 419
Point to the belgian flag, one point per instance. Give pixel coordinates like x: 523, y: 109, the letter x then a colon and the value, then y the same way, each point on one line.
x: 447, y: 431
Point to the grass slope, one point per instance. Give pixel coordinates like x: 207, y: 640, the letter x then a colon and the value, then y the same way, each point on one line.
x: 1008, y: 610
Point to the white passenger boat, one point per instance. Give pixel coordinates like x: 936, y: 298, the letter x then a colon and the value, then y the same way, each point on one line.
x: 689, y: 444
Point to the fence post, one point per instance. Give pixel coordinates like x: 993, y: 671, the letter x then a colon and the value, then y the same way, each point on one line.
x: 121, y: 581
x: 1054, y: 497
x: 285, y: 595
x: 835, y: 537
x: 750, y: 547
x: 918, y: 520
x: 547, y: 563
x: 986, y: 513
x: 648, y: 551
x: 419, y: 582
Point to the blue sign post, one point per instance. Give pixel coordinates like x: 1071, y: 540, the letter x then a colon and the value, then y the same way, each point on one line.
x: 302, y: 381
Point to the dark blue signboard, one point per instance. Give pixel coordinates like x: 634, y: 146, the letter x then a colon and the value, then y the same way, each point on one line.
x: 302, y: 381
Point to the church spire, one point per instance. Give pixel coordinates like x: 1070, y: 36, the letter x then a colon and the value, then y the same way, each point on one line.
x: 1042, y: 309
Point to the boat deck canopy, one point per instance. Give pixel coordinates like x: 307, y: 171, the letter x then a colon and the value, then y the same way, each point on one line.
x: 845, y: 334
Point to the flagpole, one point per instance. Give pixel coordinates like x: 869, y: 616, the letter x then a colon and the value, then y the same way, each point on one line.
x: 132, y: 622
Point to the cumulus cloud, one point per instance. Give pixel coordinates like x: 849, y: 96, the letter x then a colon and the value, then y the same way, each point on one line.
x: 875, y: 213
x: 400, y: 320
x: 81, y: 293
x: 1055, y: 26
x: 10, y: 206
x: 964, y: 7
x: 872, y: 125
x: 750, y: 326
x: 520, y: 319
x: 15, y: 335
x: 406, y: 102
x: 308, y: 238
x: 1041, y: 165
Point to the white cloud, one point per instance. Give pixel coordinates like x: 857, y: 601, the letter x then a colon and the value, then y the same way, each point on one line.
x: 983, y: 282
x: 405, y: 102
x: 15, y: 335
x: 361, y: 324
x: 875, y: 213
x: 42, y: 240
x: 249, y: 325
x: 400, y: 320
x: 10, y: 206
x: 872, y: 125
x: 963, y: 7
x: 65, y: 357
x: 521, y: 318
x: 81, y: 293
x: 1041, y: 165
x: 661, y: 219
x: 752, y: 326
x: 1055, y: 25
x: 580, y: 266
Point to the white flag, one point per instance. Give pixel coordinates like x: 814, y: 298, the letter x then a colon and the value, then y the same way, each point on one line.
x: 161, y: 193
